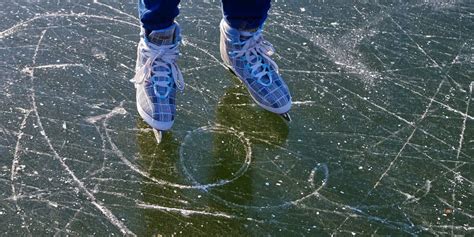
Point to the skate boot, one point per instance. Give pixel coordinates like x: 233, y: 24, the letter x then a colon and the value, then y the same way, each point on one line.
x: 158, y: 77
x: 247, y: 55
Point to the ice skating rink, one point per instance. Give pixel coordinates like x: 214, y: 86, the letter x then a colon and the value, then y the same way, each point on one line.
x: 382, y: 138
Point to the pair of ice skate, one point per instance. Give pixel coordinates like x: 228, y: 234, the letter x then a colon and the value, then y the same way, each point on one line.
x: 245, y: 53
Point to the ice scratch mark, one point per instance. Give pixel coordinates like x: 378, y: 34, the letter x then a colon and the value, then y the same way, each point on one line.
x: 184, y: 212
x: 449, y: 108
x: 79, y: 211
x: 446, y: 76
x: 218, y: 129
x: 463, y: 128
x: 458, y: 210
x: 55, y: 66
x: 423, y: 116
x: 15, y: 161
x: 116, y: 10
x: 413, y: 198
x: 310, y: 72
x: 19, y: 26
x: 461, y: 140
x: 435, y: 101
x: 320, y: 167
x: 118, y: 152
x: 374, y: 104
x: 303, y: 102
x: 107, y: 213
x: 16, y: 155
x: 285, y: 204
x: 15, y: 166
x: 114, y: 111
x: 186, y: 42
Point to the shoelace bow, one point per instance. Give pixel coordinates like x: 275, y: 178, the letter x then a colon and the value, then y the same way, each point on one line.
x: 161, y: 62
x: 260, y: 50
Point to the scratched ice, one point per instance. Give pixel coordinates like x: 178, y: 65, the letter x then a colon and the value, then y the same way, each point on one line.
x: 382, y: 140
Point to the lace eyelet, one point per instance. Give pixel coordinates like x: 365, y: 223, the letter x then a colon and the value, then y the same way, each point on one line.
x: 270, y: 81
x: 157, y: 93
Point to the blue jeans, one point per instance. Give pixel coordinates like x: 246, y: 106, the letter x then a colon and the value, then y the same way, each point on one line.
x: 239, y: 14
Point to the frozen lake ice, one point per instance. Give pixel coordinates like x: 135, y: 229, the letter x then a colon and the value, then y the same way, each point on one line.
x: 382, y: 138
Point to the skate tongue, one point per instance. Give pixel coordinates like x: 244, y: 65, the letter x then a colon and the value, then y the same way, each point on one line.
x: 248, y: 34
x: 163, y: 37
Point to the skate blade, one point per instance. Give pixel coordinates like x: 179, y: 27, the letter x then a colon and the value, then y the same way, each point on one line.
x: 158, y: 135
x: 232, y: 71
x: 286, y: 116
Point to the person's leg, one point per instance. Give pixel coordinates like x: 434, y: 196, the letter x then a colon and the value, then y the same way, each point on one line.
x: 157, y: 76
x: 248, y: 54
x: 245, y: 14
x: 157, y: 14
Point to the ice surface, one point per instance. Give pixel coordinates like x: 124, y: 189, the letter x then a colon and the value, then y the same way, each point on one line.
x: 381, y: 140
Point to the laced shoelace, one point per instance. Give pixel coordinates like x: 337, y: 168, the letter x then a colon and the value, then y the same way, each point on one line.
x: 257, y: 52
x: 161, y: 63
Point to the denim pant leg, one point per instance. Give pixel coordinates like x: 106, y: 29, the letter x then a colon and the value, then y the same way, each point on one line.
x: 245, y: 14
x: 239, y: 14
x: 157, y: 14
